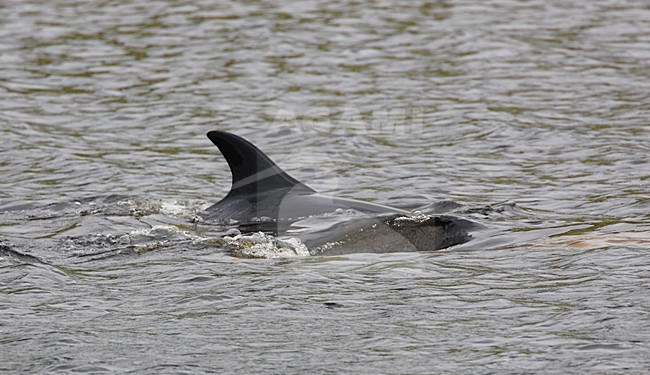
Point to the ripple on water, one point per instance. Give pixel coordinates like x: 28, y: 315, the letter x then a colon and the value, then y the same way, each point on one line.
x: 527, y: 116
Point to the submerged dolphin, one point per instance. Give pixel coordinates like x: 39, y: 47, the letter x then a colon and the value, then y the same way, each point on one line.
x: 263, y: 197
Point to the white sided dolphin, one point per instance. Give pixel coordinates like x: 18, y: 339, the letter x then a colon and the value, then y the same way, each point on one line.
x: 263, y: 197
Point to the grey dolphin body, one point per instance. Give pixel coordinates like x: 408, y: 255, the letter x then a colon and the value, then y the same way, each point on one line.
x: 265, y: 198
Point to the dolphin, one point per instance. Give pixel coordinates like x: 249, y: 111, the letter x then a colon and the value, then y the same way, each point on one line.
x: 265, y: 198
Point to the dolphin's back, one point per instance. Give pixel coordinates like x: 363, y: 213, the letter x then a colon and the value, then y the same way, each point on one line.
x: 257, y: 182
x: 262, y: 190
x: 265, y: 198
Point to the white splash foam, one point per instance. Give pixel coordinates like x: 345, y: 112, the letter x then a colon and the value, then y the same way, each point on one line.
x: 415, y: 217
x: 260, y: 245
x: 173, y: 208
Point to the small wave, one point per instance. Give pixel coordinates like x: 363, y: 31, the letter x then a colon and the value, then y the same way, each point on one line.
x: 8, y: 251
x: 137, y: 207
x: 137, y: 241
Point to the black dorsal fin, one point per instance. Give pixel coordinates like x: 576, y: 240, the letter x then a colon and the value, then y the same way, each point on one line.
x: 252, y: 171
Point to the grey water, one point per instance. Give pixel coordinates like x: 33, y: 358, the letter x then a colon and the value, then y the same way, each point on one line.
x: 531, y: 117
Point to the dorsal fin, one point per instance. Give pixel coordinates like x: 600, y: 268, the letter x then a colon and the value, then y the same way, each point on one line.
x: 252, y: 171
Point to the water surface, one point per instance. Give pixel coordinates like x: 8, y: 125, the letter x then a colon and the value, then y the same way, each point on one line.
x: 531, y: 115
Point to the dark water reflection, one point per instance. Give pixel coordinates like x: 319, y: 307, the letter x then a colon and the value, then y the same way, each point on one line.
x: 533, y: 115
